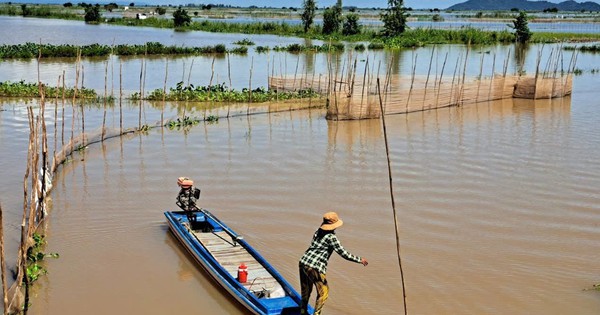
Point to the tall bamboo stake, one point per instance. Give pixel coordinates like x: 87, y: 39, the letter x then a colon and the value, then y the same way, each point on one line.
x: 230, y: 85
x: 427, y: 80
x: 105, y: 98
x: 412, y: 80
x: 121, y: 96
x: 480, y: 78
x: 3, y: 265
x: 389, y: 165
x: 439, y: 84
x: 489, y: 97
x: 250, y: 83
x: 62, y: 139
x: 162, y: 110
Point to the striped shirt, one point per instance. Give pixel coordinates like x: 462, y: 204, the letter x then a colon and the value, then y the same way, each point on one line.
x: 320, y: 249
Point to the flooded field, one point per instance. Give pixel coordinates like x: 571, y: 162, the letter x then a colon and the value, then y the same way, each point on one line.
x: 497, y: 202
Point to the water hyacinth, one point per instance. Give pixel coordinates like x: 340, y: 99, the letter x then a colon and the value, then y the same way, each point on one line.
x: 23, y: 89
x: 221, y: 93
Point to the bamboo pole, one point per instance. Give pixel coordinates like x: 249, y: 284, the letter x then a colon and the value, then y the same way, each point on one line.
x: 3, y: 265
x: 480, y: 78
x: 537, y: 70
x: 62, y: 141
x: 105, y: 98
x: 489, y: 97
x: 412, y: 80
x: 212, y: 74
x: 121, y: 96
x: 439, y: 84
x: 250, y: 84
x: 391, y: 182
x: 162, y: 110
x: 427, y: 80
x: 230, y: 85
x: 141, y: 95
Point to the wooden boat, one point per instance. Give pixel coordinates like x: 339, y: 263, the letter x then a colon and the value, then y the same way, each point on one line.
x: 220, y: 251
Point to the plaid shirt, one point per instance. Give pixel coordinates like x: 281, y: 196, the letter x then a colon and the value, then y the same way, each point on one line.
x: 319, y: 251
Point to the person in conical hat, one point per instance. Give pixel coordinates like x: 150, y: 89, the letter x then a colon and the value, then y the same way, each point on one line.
x: 313, y: 264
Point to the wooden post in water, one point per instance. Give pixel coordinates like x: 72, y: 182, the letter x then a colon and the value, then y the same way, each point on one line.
x: 480, y: 77
x: 250, y: 85
x: 427, y: 80
x: 389, y: 165
x: 412, y: 79
x: 439, y: 84
x: 230, y: 85
x: 492, y: 79
x: 164, y: 99
x: 3, y: 265
x: 62, y: 139
x: 120, y: 96
x: 105, y: 99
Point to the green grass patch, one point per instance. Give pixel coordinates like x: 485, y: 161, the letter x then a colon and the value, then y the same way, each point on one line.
x: 31, y: 50
x: 221, y: 93
x: 23, y: 89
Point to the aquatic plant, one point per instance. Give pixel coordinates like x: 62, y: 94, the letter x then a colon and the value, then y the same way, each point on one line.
x: 221, y: 93
x: 34, y: 256
x: 592, y: 48
x: 32, y: 50
x: 245, y: 42
x: 185, y: 122
x: 23, y: 89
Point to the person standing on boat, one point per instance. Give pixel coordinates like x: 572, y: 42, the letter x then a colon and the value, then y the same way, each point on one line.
x: 313, y: 264
x: 188, y: 195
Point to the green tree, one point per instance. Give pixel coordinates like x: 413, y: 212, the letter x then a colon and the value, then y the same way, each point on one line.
x: 394, y: 18
x: 181, y: 17
x: 25, y: 10
x: 521, y: 27
x: 332, y: 18
x: 160, y: 10
x: 92, y: 14
x: 351, y: 26
x: 308, y: 15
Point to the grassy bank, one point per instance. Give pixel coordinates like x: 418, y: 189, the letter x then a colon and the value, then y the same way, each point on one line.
x: 31, y: 50
x: 411, y: 38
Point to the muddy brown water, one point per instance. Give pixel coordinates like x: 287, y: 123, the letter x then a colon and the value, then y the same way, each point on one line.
x: 497, y: 203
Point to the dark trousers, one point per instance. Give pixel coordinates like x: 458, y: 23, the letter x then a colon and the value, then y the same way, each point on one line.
x: 310, y: 277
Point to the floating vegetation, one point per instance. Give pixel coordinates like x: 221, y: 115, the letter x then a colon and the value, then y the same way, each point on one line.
x: 360, y: 47
x: 212, y: 119
x: 376, y: 46
x: 262, y: 49
x: 23, y: 89
x: 221, y: 93
x: 34, y: 256
x: 592, y: 48
x: 298, y: 48
x: 245, y: 42
x: 185, y: 122
x: 468, y: 35
x: 32, y: 50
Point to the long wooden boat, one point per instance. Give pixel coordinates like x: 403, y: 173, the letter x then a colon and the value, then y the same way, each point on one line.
x: 221, y: 251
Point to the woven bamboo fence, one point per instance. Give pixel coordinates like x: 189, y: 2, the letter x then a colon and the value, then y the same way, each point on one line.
x: 355, y: 96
